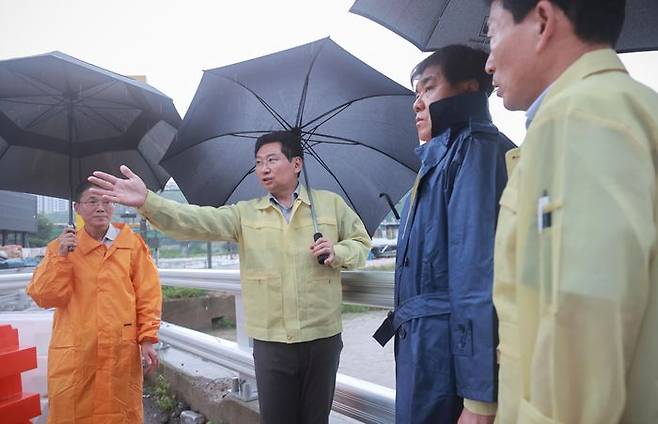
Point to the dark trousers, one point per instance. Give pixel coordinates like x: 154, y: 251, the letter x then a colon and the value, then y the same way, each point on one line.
x: 296, y: 382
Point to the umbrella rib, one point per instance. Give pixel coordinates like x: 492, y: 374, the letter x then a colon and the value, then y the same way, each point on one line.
x: 302, y: 100
x: 323, y: 164
x: 104, y: 88
x: 13, y: 100
x: 329, y: 116
x: 121, y: 106
x: 236, y: 134
x: 235, y: 187
x: 269, y: 108
x: 99, y: 116
x: 81, y: 104
x: 439, y: 14
x: 41, y: 115
x: 356, y: 143
x: 349, y: 103
x: 35, y: 83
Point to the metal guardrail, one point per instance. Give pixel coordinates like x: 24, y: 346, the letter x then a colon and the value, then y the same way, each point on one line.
x: 355, y: 398
x: 372, y: 288
x: 14, y: 280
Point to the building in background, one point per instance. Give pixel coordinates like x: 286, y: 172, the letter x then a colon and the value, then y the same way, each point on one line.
x: 18, y: 217
x: 47, y: 205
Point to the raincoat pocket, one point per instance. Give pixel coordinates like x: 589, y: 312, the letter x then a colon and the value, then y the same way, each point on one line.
x: 326, y: 225
x: 62, y: 362
x: 328, y: 228
x: 261, y: 235
x: 322, y: 299
x: 263, y: 301
x: 129, y: 333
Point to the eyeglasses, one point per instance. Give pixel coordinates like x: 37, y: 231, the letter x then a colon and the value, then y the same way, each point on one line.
x: 95, y: 203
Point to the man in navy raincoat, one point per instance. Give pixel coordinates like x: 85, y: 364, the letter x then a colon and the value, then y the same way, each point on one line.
x: 444, y: 322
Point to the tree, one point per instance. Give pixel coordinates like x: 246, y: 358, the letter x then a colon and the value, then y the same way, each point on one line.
x: 46, y: 231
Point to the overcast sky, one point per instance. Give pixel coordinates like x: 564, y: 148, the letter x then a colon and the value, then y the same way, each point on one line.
x: 171, y: 42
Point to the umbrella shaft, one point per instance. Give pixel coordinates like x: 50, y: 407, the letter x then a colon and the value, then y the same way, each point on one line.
x: 314, y: 217
x: 70, y: 125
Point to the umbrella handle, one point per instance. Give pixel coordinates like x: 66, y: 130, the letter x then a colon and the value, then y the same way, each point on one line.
x: 324, y: 257
x: 70, y: 228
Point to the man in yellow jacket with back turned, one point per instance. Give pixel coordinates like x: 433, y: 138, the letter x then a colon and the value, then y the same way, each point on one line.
x: 106, y: 293
x: 576, y: 266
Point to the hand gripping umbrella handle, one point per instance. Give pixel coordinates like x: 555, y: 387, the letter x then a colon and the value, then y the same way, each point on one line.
x: 70, y: 228
x: 324, y: 257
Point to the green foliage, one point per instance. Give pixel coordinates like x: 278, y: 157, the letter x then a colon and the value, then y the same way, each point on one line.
x: 163, y: 397
x: 46, y: 231
x: 221, y: 323
x: 169, y: 292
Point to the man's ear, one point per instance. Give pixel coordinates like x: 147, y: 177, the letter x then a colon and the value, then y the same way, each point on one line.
x: 546, y: 16
x: 470, y: 86
x: 299, y: 162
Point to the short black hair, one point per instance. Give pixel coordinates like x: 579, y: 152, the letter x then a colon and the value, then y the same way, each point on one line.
x: 594, y: 21
x: 81, y: 188
x: 291, y: 145
x: 458, y: 63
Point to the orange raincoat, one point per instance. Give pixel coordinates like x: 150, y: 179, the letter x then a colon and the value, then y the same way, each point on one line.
x: 106, y: 300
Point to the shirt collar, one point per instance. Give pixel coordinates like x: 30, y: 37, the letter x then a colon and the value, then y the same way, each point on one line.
x: 534, y: 107
x: 112, y: 233
x: 295, y: 195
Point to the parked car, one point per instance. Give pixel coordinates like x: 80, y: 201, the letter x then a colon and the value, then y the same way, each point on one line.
x: 12, y: 263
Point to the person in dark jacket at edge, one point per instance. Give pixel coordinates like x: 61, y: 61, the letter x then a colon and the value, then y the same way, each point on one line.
x: 444, y: 322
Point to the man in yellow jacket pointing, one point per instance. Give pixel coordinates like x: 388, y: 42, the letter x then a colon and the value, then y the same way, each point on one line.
x: 576, y: 266
x: 106, y: 293
x: 292, y: 300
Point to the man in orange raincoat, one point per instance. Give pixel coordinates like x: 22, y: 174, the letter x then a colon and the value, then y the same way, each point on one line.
x: 106, y: 293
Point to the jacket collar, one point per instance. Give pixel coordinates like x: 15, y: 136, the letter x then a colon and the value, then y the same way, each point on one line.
x: 595, y: 62
x: 450, y: 115
x: 458, y: 111
x: 264, y: 202
x: 87, y: 243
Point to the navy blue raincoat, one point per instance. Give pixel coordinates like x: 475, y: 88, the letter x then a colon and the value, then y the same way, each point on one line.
x: 444, y: 322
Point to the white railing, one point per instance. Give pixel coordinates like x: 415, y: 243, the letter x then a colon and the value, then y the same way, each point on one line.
x: 355, y: 398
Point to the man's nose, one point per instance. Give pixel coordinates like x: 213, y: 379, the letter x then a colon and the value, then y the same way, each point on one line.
x: 490, y: 66
x: 418, y: 104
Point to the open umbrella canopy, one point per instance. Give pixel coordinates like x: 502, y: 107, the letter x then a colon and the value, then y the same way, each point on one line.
x: 432, y: 24
x: 357, y: 128
x: 62, y: 118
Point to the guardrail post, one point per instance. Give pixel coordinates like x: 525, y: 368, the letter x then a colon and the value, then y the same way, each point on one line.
x: 244, y: 341
x: 243, y: 387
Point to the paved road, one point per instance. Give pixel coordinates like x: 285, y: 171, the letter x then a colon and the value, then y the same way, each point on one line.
x: 362, y: 356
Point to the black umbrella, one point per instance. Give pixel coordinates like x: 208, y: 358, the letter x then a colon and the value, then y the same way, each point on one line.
x: 356, y: 125
x: 62, y: 118
x: 432, y: 24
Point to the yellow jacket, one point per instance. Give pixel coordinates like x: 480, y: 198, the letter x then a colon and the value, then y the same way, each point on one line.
x: 288, y: 297
x: 577, y: 301
x: 106, y: 302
